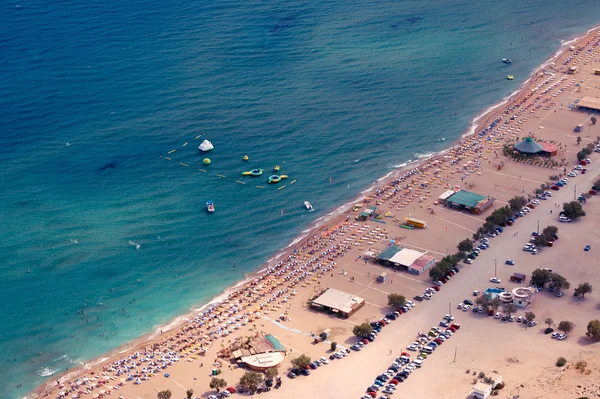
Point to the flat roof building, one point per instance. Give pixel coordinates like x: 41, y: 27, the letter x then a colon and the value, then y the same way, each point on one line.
x: 422, y: 264
x: 481, y: 390
x: 589, y: 103
x: 338, y: 302
x: 473, y: 202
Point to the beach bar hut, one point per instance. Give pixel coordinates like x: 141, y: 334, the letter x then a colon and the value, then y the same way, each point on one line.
x: 338, y: 302
x: 528, y: 146
x: 472, y: 202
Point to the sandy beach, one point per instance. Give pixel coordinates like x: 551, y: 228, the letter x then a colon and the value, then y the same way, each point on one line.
x: 274, y: 301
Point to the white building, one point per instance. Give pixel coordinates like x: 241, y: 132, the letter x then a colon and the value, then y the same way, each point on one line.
x: 481, y: 390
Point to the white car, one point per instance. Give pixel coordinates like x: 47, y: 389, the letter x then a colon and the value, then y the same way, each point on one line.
x: 449, y: 317
x: 495, y: 280
x: 226, y: 393
x: 561, y: 337
x: 564, y: 219
x: 466, y: 307
x: 324, y: 360
x: 460, y: 305
x: 413, y: 347
x: 497, y: 315
x: 535, y: 251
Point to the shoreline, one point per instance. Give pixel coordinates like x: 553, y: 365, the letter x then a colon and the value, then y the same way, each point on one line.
x: 320, y: 225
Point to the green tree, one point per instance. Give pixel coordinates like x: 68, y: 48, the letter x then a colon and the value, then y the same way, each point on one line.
x: 540, y: 277
x: 251, y: 380
x: 559, y: 282
x: 484, y: 301
x: 516, y: 203
x: 573, y: 210
x: 550, y: 230
x: 272, y: 373
x: 566, y: 326
x: 495, y: 303
x: 362, y: 330
x: 549, y: 321
x: 217, y: 383
x: 579, y: 141
x: 436, y: 273
x: 540, y: 241
x: 596, y: 185
x: 333, y: 346
x: 581, y: 155
x: 593, y: 119
x: 189, y: 393
x: 593, y: 329
x: 530, y: 316
x: 396, y: 301
x: 164, y: 394
x: 303, y: 360
x: 510, y: 308
x: 583, y: 288
x: 465, y: 245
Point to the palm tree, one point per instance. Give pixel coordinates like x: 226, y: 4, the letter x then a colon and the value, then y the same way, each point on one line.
x: 189, y: 393
x: 164, y: 394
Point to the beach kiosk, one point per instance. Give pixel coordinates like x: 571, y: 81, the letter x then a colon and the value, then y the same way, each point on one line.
x: 578, y: 128
x: 421, y: 224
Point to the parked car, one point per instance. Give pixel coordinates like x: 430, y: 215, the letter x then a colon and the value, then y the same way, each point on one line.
x: 495, y: 280
x: 476, y: 292
x: 587, y: 248
x: 548, y: 330
x: 509, y: 262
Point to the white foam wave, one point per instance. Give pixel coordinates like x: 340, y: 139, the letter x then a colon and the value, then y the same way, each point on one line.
x: 46, y: 372
x: 135, y: 244
x: 60, y: 358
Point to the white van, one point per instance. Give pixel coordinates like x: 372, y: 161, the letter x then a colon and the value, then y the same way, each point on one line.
x: 427, y: 349
x: 418, y: 363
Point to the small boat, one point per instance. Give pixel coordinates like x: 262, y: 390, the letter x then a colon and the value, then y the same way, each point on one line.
x: 510, y: 77
x: 276, y: 168
x: 506, y: 61
x: 246, y: 157
x: 210, y: 206
x: 253, y: 172
x: 206, y: 161
x: 276, y: 178
x: 308, y: 206
x: 206, y: 146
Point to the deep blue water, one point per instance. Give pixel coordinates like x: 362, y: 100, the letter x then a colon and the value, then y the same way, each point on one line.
x: 326, y: 89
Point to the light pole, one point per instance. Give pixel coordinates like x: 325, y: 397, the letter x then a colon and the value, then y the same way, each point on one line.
x: 495, y: 267
x: 450, y: 308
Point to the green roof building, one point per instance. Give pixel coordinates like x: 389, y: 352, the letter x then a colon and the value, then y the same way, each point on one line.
x: 466, y: 200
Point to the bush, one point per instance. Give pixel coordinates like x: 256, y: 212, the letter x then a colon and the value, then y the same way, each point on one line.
x: 481, y: 374
x: 581, y: 365
x: 500, y: 386
x: 333, y: 346
x: 561, y: 361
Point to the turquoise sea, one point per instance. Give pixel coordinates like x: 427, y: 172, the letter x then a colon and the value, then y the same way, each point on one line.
x: 103, y: 239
